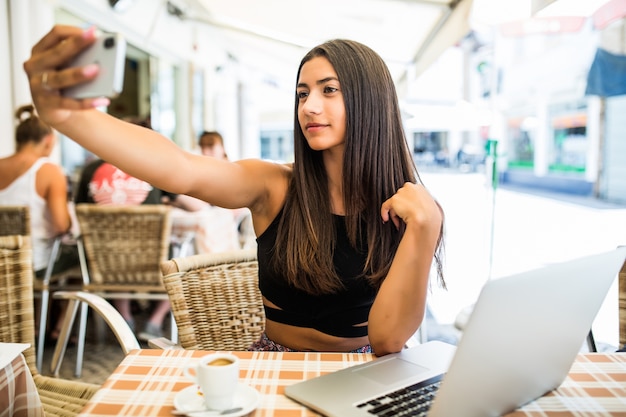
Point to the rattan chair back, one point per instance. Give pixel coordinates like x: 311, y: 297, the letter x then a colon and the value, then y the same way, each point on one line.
x: 121, y: 249
x: 59, y: 397
x: 14, y: 220
x: 17, y: 321
x: 215, y: 299
x: 124, y: 245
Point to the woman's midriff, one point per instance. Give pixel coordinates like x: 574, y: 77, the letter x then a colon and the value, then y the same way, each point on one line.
x: 307, y: 339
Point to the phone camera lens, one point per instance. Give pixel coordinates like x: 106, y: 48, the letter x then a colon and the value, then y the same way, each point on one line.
x: 109, y: 43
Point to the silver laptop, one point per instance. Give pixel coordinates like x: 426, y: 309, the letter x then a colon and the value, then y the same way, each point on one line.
x: 519, y: 343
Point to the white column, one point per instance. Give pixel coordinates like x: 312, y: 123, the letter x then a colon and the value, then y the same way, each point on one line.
x: 28, y: 21
x: 7, y: 142
x: 184, y: 132
x: 249, y: 143
x: 226, y: 110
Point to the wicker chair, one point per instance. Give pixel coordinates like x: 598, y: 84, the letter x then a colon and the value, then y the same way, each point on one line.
x: 121, y: 249
x: 15, y: 220
x: 17, y: 325
x: 215, y: 300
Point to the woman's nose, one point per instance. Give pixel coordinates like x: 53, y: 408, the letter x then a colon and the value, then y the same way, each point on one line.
x: 313, y: 103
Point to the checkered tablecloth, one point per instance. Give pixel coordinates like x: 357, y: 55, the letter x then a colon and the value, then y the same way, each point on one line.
x: 595, y: 386
x: 18, y: 392
x: 147, y: 381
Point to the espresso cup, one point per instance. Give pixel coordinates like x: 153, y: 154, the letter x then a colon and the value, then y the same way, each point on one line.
x: 217, y: 375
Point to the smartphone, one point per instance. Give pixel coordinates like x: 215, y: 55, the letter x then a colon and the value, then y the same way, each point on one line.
x: 109, y: 53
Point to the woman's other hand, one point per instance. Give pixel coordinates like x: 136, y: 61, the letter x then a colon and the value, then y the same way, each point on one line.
x: 412, y: 203
x: 46, y: 79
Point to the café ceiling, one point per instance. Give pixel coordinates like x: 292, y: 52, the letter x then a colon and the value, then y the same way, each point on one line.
x: 275, y: 34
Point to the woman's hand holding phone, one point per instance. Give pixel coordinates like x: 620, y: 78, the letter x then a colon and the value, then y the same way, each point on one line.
x: 49, y: 73
x: 108, y: 52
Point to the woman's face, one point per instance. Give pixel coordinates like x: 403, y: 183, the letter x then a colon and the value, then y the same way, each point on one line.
x: 210, y: 146
x: 321, y: 109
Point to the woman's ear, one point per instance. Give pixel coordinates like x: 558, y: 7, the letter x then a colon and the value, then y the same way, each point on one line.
x: 48, y: 142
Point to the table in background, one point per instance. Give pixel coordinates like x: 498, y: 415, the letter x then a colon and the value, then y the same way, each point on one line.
x: 147, y: 381
x: 18, y: 392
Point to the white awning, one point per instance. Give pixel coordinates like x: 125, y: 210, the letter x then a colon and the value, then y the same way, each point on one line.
x: 275, y: 34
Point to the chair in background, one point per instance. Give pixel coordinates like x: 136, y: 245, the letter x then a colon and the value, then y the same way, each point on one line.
x: 215, y: 300
x: 15, y: 220
x: 121, y: 249
x: 59, y: 397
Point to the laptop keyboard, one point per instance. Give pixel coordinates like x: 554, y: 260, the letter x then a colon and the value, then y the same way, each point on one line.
x: 414, y: 400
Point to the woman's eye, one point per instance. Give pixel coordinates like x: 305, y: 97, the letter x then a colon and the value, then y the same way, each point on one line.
x: 329, y: 89
x: 302, y: 94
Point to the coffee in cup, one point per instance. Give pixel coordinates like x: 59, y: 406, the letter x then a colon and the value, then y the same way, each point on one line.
x: 220, y: 362
x: 217, y: 375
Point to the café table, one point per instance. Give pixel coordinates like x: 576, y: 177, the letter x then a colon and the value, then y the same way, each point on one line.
x: 18, y: 392
x: 147, y: 381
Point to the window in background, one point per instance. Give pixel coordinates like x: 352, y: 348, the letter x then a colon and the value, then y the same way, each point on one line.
x: 277, y: 145
x: 522, y: 132
x: 163, y: 97
x: 568, y: 125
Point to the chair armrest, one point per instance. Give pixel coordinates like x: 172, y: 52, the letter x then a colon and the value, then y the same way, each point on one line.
x: 123, y: 333
x: 114, y: 319
x: 163, y: 343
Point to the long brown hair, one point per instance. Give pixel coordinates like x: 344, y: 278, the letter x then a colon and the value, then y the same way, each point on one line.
x: 30, y: 127
x: 377, y: 162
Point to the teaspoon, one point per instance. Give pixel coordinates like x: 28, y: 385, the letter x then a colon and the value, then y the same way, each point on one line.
x: 206, y: 413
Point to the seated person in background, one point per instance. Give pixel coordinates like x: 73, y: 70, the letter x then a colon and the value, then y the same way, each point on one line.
x: 211, y: 143
x: 104, y: 184
x: 29, y: 178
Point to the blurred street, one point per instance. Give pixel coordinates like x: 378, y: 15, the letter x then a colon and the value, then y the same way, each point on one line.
x: 530, y: 229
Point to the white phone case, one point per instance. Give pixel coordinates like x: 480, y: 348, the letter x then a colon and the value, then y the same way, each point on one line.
x: 109, y: 53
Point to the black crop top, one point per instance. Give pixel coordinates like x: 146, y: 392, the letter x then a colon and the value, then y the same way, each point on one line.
x: 336, y: 314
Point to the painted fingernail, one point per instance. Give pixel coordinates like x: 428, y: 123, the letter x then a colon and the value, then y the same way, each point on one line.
x: 91, y: 69
x: 100, y: 102
x: 89, y: 32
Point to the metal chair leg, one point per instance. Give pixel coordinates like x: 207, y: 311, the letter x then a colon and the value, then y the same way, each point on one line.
x: 82, y: 330
x: 45, y: 302
x: 43, y: 319
x: 64, y: 336
x: 174, y: 328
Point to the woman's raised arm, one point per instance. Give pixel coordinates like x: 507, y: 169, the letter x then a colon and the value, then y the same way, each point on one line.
x: 140, y: 152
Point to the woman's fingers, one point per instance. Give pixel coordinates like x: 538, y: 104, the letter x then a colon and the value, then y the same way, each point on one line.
x: 55, y: 50
x: 48, y: 73
x: 411, y: 201
x: 55, y: 36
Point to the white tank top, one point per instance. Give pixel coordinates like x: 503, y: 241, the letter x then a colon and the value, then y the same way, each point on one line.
x: 23, y: 192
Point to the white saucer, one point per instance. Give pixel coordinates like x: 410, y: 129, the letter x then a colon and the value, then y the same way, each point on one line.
x: 190, y: 399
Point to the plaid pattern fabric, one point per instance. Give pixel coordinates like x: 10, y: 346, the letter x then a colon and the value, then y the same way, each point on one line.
x: 18, y: 393
x: 595, y: 386
x: 147, y: 381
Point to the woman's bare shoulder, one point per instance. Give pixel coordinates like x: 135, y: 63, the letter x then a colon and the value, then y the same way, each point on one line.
x: 275, y: 177
x: 51, y: 170
x: 267, y: 166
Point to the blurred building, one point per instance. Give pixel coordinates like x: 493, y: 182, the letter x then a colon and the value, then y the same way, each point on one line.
x: 555, y: 131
